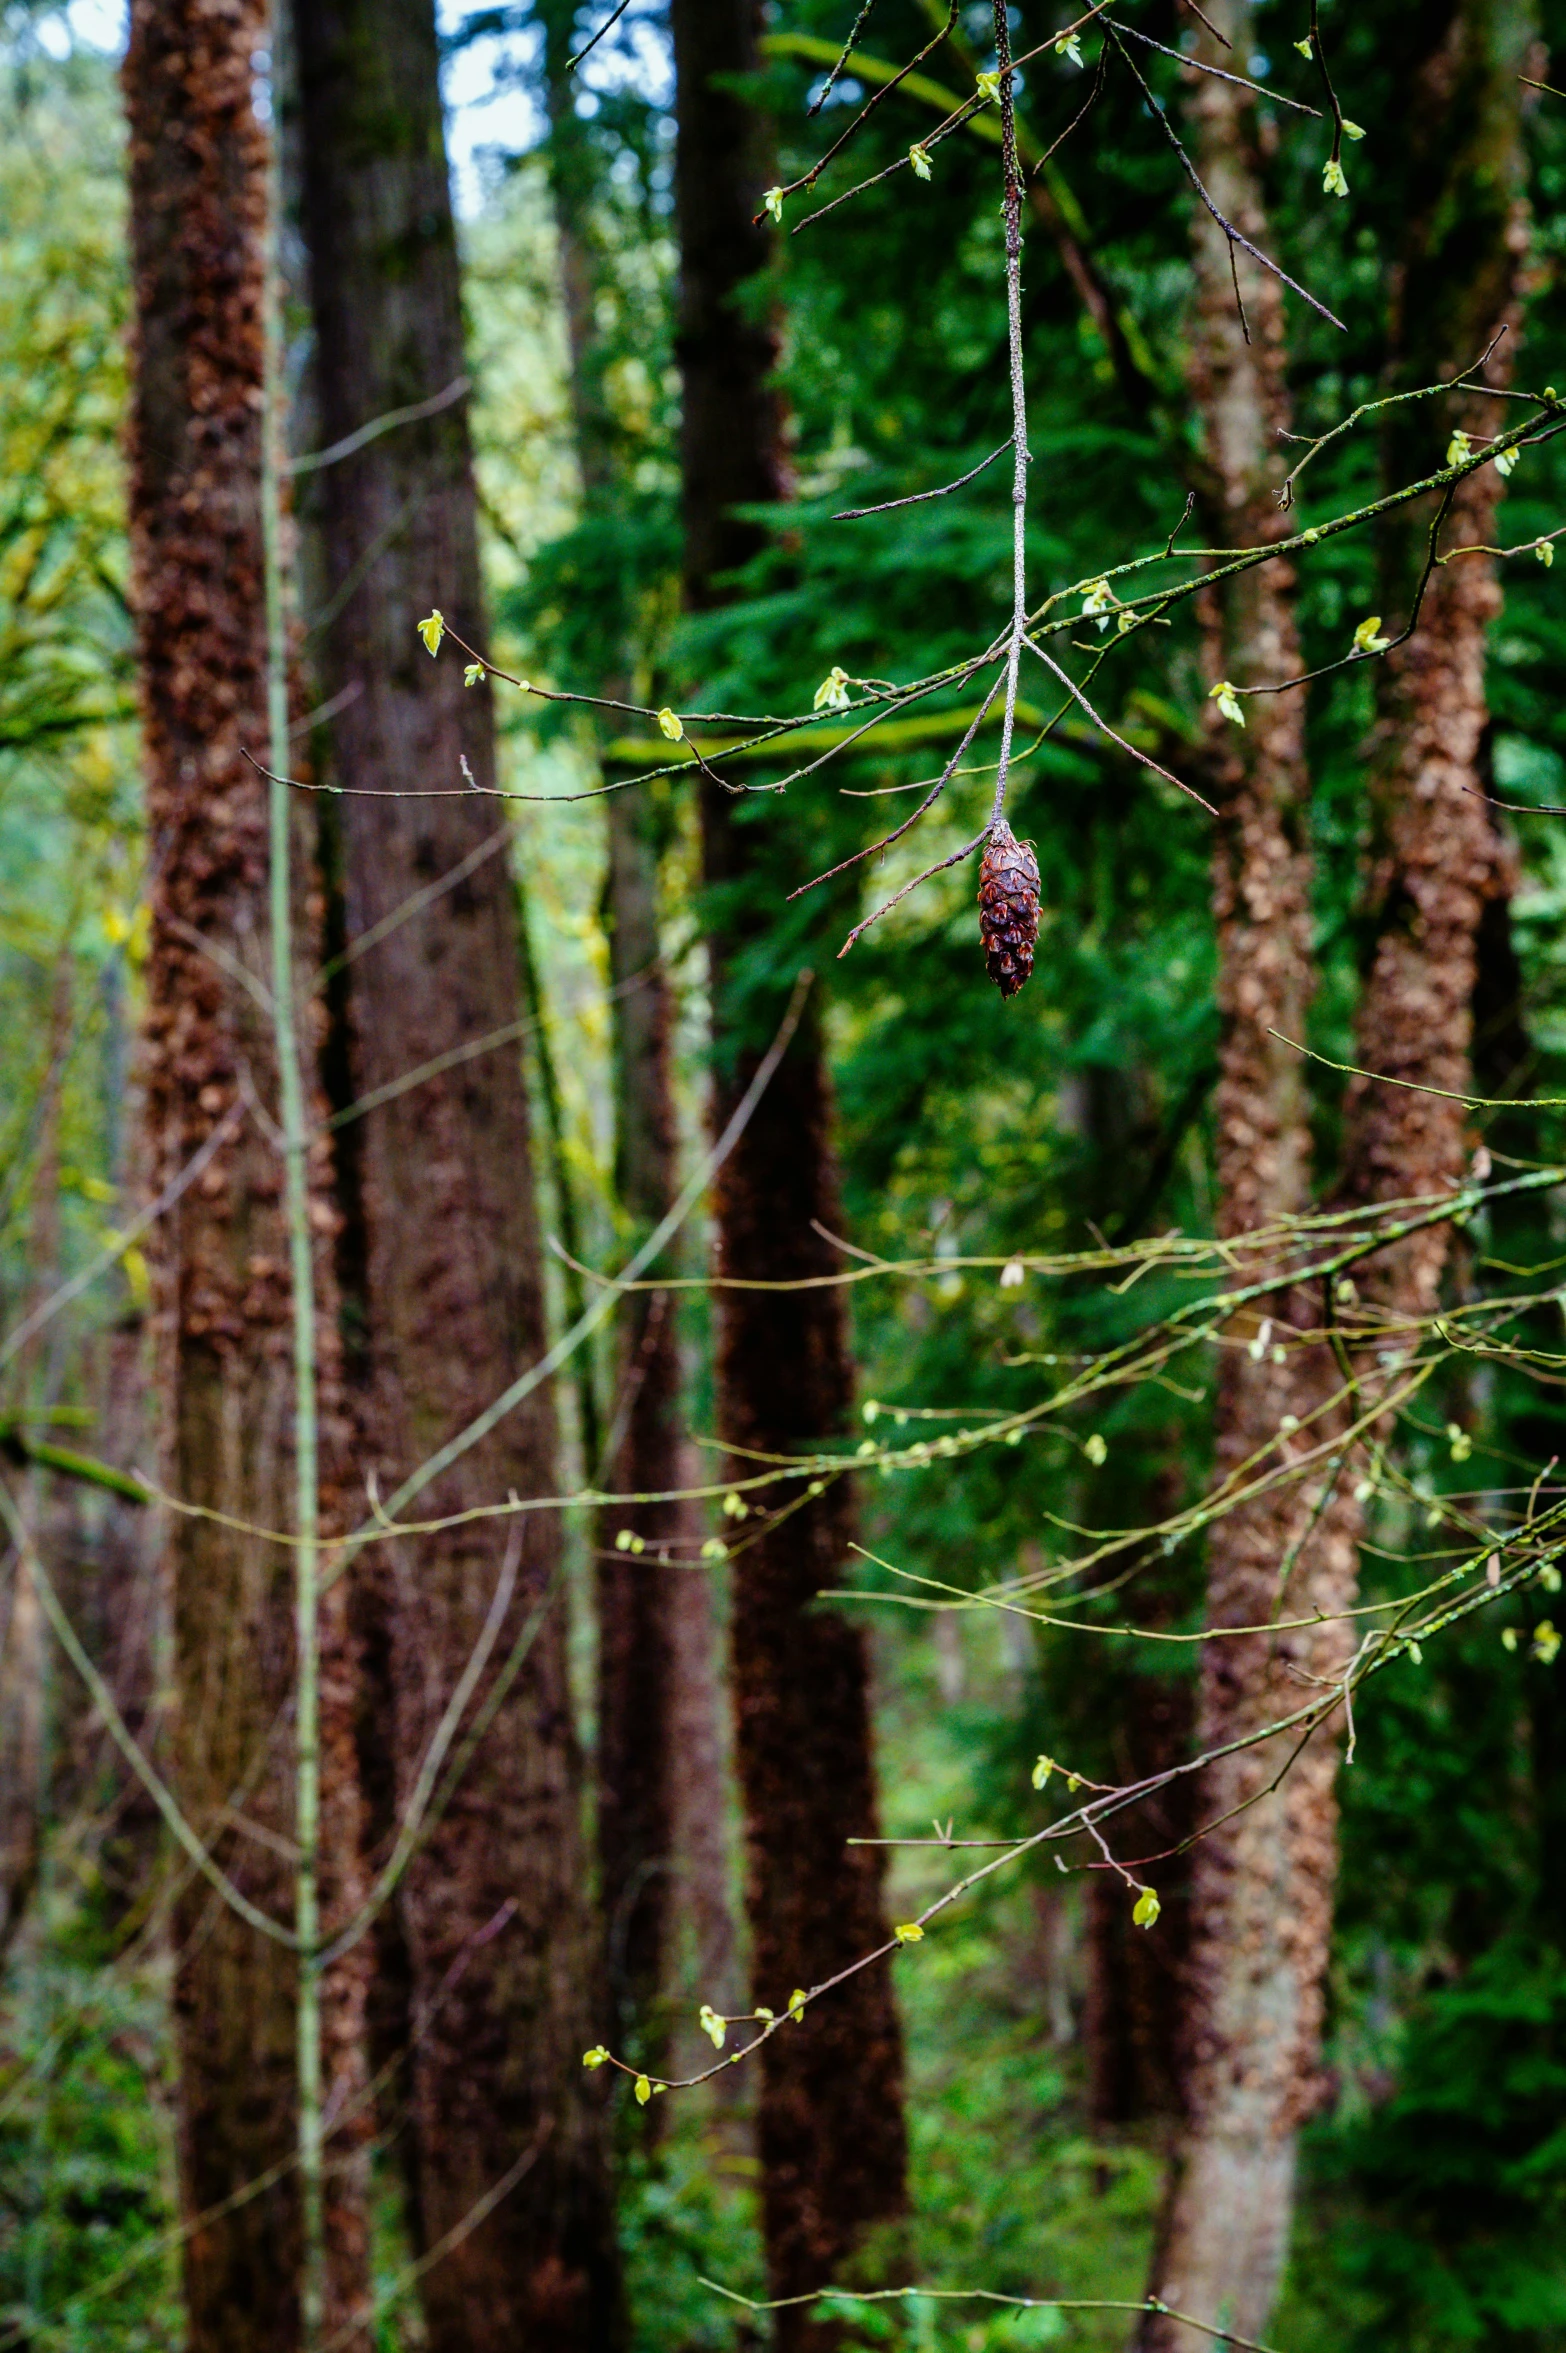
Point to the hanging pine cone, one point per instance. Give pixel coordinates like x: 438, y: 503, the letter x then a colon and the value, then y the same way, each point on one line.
x: 1008, y: 908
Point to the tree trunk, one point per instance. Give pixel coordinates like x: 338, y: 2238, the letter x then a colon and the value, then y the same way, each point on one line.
x: 1265, y: 1880
x: 637, y: 1595
x: 1438, y: 860
x: 492, y: 1909
x: 197, y: 209
x: 1261, y: 1879
x: 638, y: 1590
x: 830, y: 2123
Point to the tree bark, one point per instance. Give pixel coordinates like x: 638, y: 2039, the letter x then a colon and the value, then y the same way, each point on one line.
x: 1438, y: 860
x: 197, y: 209
x: 1265, y: 1880
x: 830, y: 2124
x: 1261, y: 1879
x: 492, y: 1911
x: 636, y: 1540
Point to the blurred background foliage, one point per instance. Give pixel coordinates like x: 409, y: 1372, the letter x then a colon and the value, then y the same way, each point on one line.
x: 1434, y: 2200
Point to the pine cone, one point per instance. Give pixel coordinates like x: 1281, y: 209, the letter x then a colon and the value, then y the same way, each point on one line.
x: 1008, y: 908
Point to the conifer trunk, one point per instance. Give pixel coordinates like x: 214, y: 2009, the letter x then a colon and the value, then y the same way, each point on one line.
x: 1261, y: 1880
x: 197, y: 212
x: 830, y: 2125
x: 1265, y: 1881
x: 637, y: 1595
x: 492, y: 1912
x: 1437, y: 859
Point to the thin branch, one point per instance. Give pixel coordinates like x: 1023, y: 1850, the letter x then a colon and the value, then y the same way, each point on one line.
x: 930, y: 798
x: 607, y: 26
x: 352, y: 443
x: 1234, y: 235
x: 847, y: 51
x: 918, y: 497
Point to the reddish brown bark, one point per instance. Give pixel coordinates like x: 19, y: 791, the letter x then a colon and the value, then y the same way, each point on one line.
x: 197, y: 190
x: 830, y: 2124
x: 1437, y: 860
x: 1261, y: 1880
x: 492, y: 1915
x: 1264, y: 1882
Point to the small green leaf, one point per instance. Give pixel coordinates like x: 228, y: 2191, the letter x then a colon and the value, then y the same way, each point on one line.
x: 713, y: 2025
x: 1506, y: 461
x: 908, y: 1932
x: 1095, y: 1449
x: 1333, y: 182
x: 1367, y: 639
x: 1545, y: 553
x: 1546, y: 1643
x: 714, y: 1549
x: 796, y: 2003
x: 473, y: 674
x: 596, y: 2057
x: 919, y: 157
x: 671, y: 724
x: 1458, y: 448
x: 989, y: 87
x: 1228, y: 702
x: 773, y: 200
x: 432, y: 629
x: 1069, y: 45
x: 1303, y: 47
x: 1351, y: 130
x: 1146, y: 1909
x: 643, y: 2090
x: 832, y: 693
x: 1042, y: 1771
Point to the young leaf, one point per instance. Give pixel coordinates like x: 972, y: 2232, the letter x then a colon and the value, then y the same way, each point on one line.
x: 919, y: 157
x: 1146, y: 1909
x: 432, y: 629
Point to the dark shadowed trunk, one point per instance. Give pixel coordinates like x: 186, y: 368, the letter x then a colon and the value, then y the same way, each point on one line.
x: 198, y: 196
x: 492, y: 1912
x: 830, y: 2123
x: 1261, y: 1881
x: 637, y: 1594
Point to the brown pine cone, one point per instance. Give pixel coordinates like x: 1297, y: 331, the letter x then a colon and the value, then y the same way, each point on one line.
x: 1008, y: 908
